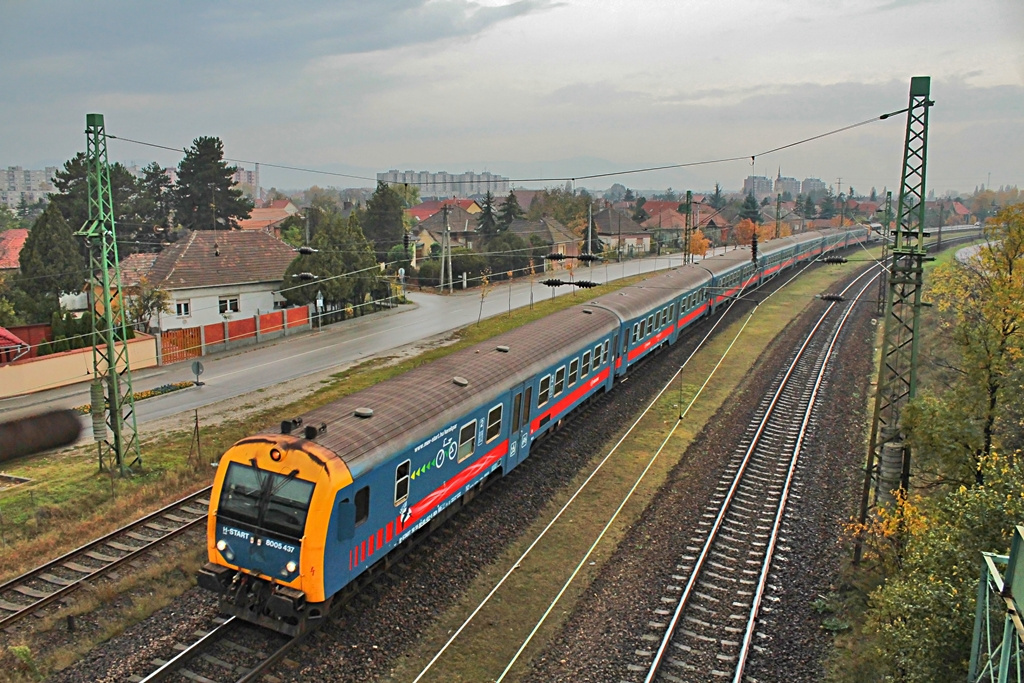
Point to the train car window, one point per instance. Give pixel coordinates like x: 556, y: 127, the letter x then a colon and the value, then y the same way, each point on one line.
x: 362, y: 505
x: 493, y: 423
x: 650, y: 324
x: 544, y: 390
x: 402, y: 482
x: 467, y: 440
x: 597, y: 356
x: 585, y: 367
x: 559, y: 380
x: 527, y: 403
x: 265, y: 499
x: 574, y: 368
x: 604, y: 355
x: 625, y: 348
x: 516, y: 411
x: 636, y: 331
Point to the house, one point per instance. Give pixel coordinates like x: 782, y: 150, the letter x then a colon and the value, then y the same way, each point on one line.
x: 11, y: 243
x: 461, y: 223
x: 560, y: 238
x: 269, y: 218
x: 615, y: 228
x: 213, y: 276
x: 425, y: 210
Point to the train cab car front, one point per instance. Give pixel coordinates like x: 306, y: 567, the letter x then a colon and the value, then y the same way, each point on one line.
x: 264, y: 544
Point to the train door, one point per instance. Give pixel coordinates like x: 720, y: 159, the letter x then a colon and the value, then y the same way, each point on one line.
x: 519, y: 428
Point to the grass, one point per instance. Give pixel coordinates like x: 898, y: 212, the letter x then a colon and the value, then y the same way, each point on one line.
x: 106, y: 610
x: 491, y: 640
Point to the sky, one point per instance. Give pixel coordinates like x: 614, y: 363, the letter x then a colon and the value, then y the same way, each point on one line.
x: 523, y: 88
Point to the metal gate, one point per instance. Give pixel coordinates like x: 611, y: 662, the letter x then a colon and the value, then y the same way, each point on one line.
x: 179, y: 345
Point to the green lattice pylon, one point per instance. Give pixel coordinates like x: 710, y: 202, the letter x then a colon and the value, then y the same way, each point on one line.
x: 897, y: 373
x: 113, y: 402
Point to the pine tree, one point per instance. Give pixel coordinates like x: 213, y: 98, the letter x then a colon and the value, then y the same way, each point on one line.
x: 717, y: 200
x: 750, y: 210
x: 382, y: 220
x: 808, y: 207
x: 51, y: 265
x: 510, y: 211
x: 205, y: 188
x: 487, y: 220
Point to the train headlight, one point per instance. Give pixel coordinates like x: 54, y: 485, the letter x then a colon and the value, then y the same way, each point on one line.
x: 291, y: 566
x: 222, y: 545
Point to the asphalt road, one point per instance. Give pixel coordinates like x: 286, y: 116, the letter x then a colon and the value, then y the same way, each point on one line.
x: 233, y: 373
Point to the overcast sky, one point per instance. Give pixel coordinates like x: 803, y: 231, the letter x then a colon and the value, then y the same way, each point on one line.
x: 529, y: 88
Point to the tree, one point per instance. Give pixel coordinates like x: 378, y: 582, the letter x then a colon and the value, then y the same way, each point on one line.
x: 717, y: 200
x: 828, y: 206
x: 744, y: 230
x: 144, y: 301
x: 7, y: 218
x: 808, y: 211
x: 699, y: 243
x: 615, y: 193
x: 639, y: 215
x: 508, y: 252
x: 204, y: 198
x: 153, y: 204
x: 487, y: 220
x: 750, y: 210
x: 874, y: 195
x: 383, y: 219
x: 51, y: 264
x: 629, y: 196
x: 986, y: 325
x: 564, y: 207
x: 510, y: 210
x: 410, y: 194
x: 72, y: 198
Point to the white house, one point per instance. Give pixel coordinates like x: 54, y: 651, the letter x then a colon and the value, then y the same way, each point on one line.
x: 213, y: 276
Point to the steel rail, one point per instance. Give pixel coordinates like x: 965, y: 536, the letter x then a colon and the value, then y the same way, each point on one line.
x: 76, y: 583
x: 784, y: 498
x: 712, y: 534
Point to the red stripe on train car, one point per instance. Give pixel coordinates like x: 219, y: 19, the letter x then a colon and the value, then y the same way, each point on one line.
x: 646, y: 346
x: 576, y: 395
x: 371, y: 546
x: 692, y: 315
x: 441, y: 493
x: 380, y: 538
x: 362, y: 551
x: 388, y: 530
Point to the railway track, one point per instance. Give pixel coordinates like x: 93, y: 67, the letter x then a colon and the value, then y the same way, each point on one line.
x: 707, y: 622
x: 57, y: 579
x: 232, y: 650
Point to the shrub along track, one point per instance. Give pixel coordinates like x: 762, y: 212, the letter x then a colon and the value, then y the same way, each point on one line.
x: 385, y: 621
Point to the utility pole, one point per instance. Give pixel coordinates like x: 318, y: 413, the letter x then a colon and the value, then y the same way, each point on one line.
x: 446, y: 253
x: 111, y: 394
x: 590, y: 223
x: 897, y: 372
x: 778, y: 215
x: 688, y: 228
x: 883, y: 279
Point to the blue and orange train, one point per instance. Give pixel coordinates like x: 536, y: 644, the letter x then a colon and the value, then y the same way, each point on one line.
x: 304, y: 512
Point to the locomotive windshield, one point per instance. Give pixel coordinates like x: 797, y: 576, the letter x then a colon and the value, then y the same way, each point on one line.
x: 271, y: 501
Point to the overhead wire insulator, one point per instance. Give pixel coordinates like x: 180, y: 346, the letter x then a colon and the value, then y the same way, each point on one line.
x: 553, y: 283
x: 555, y: 257
x: 832, y: 297
x: 834, y: 259
x: 588, y: 257
x: 585, y: 284
x: 304, y: 276
x: 307, y: 250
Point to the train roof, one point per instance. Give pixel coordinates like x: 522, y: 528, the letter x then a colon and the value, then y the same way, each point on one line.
x: 635, y: 300
x: 414, y: 405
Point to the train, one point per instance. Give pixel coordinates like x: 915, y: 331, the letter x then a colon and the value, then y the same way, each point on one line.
x: 307, y: 511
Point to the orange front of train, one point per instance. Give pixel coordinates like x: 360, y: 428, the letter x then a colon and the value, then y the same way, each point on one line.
x: 270, y: 507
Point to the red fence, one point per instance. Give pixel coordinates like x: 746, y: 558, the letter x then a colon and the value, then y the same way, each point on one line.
x: 33, y: 335
x: 179, y: 345
x: 190, y: 342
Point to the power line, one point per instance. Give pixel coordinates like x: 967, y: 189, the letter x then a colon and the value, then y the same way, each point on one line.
x: 573, y: 178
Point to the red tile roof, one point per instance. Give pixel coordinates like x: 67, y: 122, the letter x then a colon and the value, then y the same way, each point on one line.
x: 11, y: 242
x: 135, y: 267
x: 264, y: 219
x: 960, y: 210
x: 425, y: 210
x: 208, y: 258
x: 9, y: 339
x: 669, y: 219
